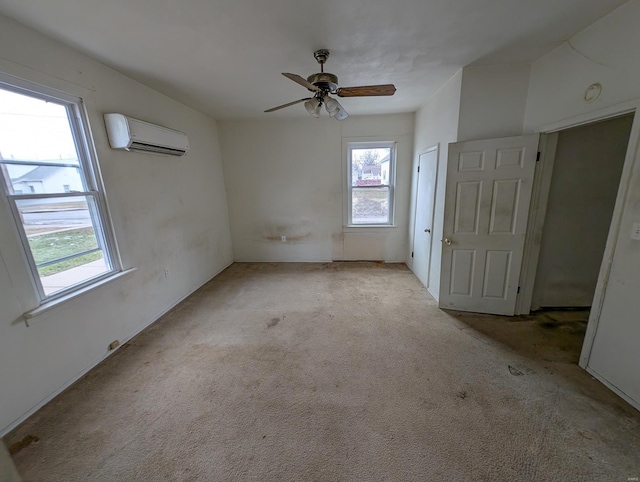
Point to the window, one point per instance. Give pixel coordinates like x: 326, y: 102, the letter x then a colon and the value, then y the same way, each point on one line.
x: 370, y: 183
x: 49, y: 178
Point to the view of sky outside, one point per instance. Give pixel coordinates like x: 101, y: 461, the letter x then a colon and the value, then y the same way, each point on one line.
x: 34, y: 130
x: 360, y: 155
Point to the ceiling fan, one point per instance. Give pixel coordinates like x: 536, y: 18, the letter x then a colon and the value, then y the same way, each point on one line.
x: 323, y: 83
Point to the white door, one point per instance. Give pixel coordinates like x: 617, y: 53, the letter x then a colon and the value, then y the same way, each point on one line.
x: 425, y: 199
x: 487, y: 198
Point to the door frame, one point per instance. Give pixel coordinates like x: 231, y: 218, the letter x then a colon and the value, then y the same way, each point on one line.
x: 535, y: 224
x: 435, y: 147
x: 542, y: 183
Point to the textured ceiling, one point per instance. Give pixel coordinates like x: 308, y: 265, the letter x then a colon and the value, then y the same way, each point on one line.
x: 224, y: 57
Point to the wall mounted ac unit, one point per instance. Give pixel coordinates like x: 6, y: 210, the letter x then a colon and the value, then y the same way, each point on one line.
x: 136, y: 135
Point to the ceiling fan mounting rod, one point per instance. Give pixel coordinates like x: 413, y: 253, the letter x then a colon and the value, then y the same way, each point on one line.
x: 321, y: 57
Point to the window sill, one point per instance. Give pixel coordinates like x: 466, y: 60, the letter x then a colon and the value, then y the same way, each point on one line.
x: 49, y: 305
x: 356, y: 227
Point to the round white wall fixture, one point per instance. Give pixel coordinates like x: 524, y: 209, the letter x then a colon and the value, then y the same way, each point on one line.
x: 592, y: 93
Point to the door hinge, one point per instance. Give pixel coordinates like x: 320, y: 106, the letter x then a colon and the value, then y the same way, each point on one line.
x: 412, y: 254
x: 518, y: 290
x: 418, y: 168
x: 538, y: 156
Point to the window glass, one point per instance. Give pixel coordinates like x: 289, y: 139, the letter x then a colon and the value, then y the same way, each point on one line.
x: 57, y: 210
x: 33, y: 129
x: 370, y: 187
x: 370, y: 206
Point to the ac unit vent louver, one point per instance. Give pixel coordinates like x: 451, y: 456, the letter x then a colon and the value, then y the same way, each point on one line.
x: 139, y: 146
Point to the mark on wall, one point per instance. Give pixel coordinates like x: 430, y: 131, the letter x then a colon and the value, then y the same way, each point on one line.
x: 293, y: 229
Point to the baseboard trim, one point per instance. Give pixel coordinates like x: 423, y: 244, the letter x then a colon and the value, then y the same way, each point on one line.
x: 433, y: 296
x: 102, y: 358
x: 282, y: 261
x: 635, y: 404
x: 388, y: 261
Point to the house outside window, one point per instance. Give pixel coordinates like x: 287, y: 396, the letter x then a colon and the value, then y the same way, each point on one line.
x: 370, y: 167
x: 49, y: 178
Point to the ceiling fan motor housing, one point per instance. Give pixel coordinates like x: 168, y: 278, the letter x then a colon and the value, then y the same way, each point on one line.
x: 324, y: 81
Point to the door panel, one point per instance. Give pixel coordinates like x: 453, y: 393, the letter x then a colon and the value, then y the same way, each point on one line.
x: 510, y: 158
x: 496, y: 274
x: 471, y: 161
x: 486, y: 207
x: 425, y: 200
x: 462, y: 266
x: 467, y: 207
x: 504, y: 206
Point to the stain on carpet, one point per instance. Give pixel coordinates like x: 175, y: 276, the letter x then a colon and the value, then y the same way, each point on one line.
x: 522, y: 370
x: 25, y: 442
x: 273, y: 322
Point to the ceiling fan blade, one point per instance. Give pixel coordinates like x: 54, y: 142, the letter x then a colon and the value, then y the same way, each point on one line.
x: 303, y: 82
x: 366, y: 90
x: 287, y: 105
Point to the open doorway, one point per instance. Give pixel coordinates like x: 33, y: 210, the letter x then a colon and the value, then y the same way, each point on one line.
x: 585, y: 179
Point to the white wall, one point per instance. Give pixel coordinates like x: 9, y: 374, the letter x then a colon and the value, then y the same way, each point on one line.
x: 493, y: 100
x: 285, y: 177
x: 607, y: 52
x: 167, y: 213
x: 478, y: 102
x: 586, y: 176
x: 436, y: 123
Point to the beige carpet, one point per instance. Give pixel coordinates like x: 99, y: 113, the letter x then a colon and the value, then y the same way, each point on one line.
x: 334, y: 372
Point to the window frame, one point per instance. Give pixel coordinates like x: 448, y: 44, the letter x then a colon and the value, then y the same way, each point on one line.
x: 352, y: 144
x: 94, y: 191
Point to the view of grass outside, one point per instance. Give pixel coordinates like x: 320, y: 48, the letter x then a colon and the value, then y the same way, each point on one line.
x: 370, y: 206
x: 47, y: 247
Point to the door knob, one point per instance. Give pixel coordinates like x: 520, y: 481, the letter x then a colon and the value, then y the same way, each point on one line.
x: 447, y: 241
x: 427, y: 230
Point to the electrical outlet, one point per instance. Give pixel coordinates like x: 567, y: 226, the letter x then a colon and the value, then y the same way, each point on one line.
x: 635, y: 231
x: 166, y: 273
x: 114, y: 344
x: 283, y: 239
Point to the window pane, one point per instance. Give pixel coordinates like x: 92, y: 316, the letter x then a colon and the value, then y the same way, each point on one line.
x: 370, y: 167
x: 64, y: 239
x: 36, y: 146
x: 59, y: 276
x: 370, y: 206
x: 42, y: 179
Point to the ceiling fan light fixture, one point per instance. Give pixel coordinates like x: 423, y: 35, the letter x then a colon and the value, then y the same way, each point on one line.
x: 313, y: 107
x: 332, y: 106
x: 340, y: 114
